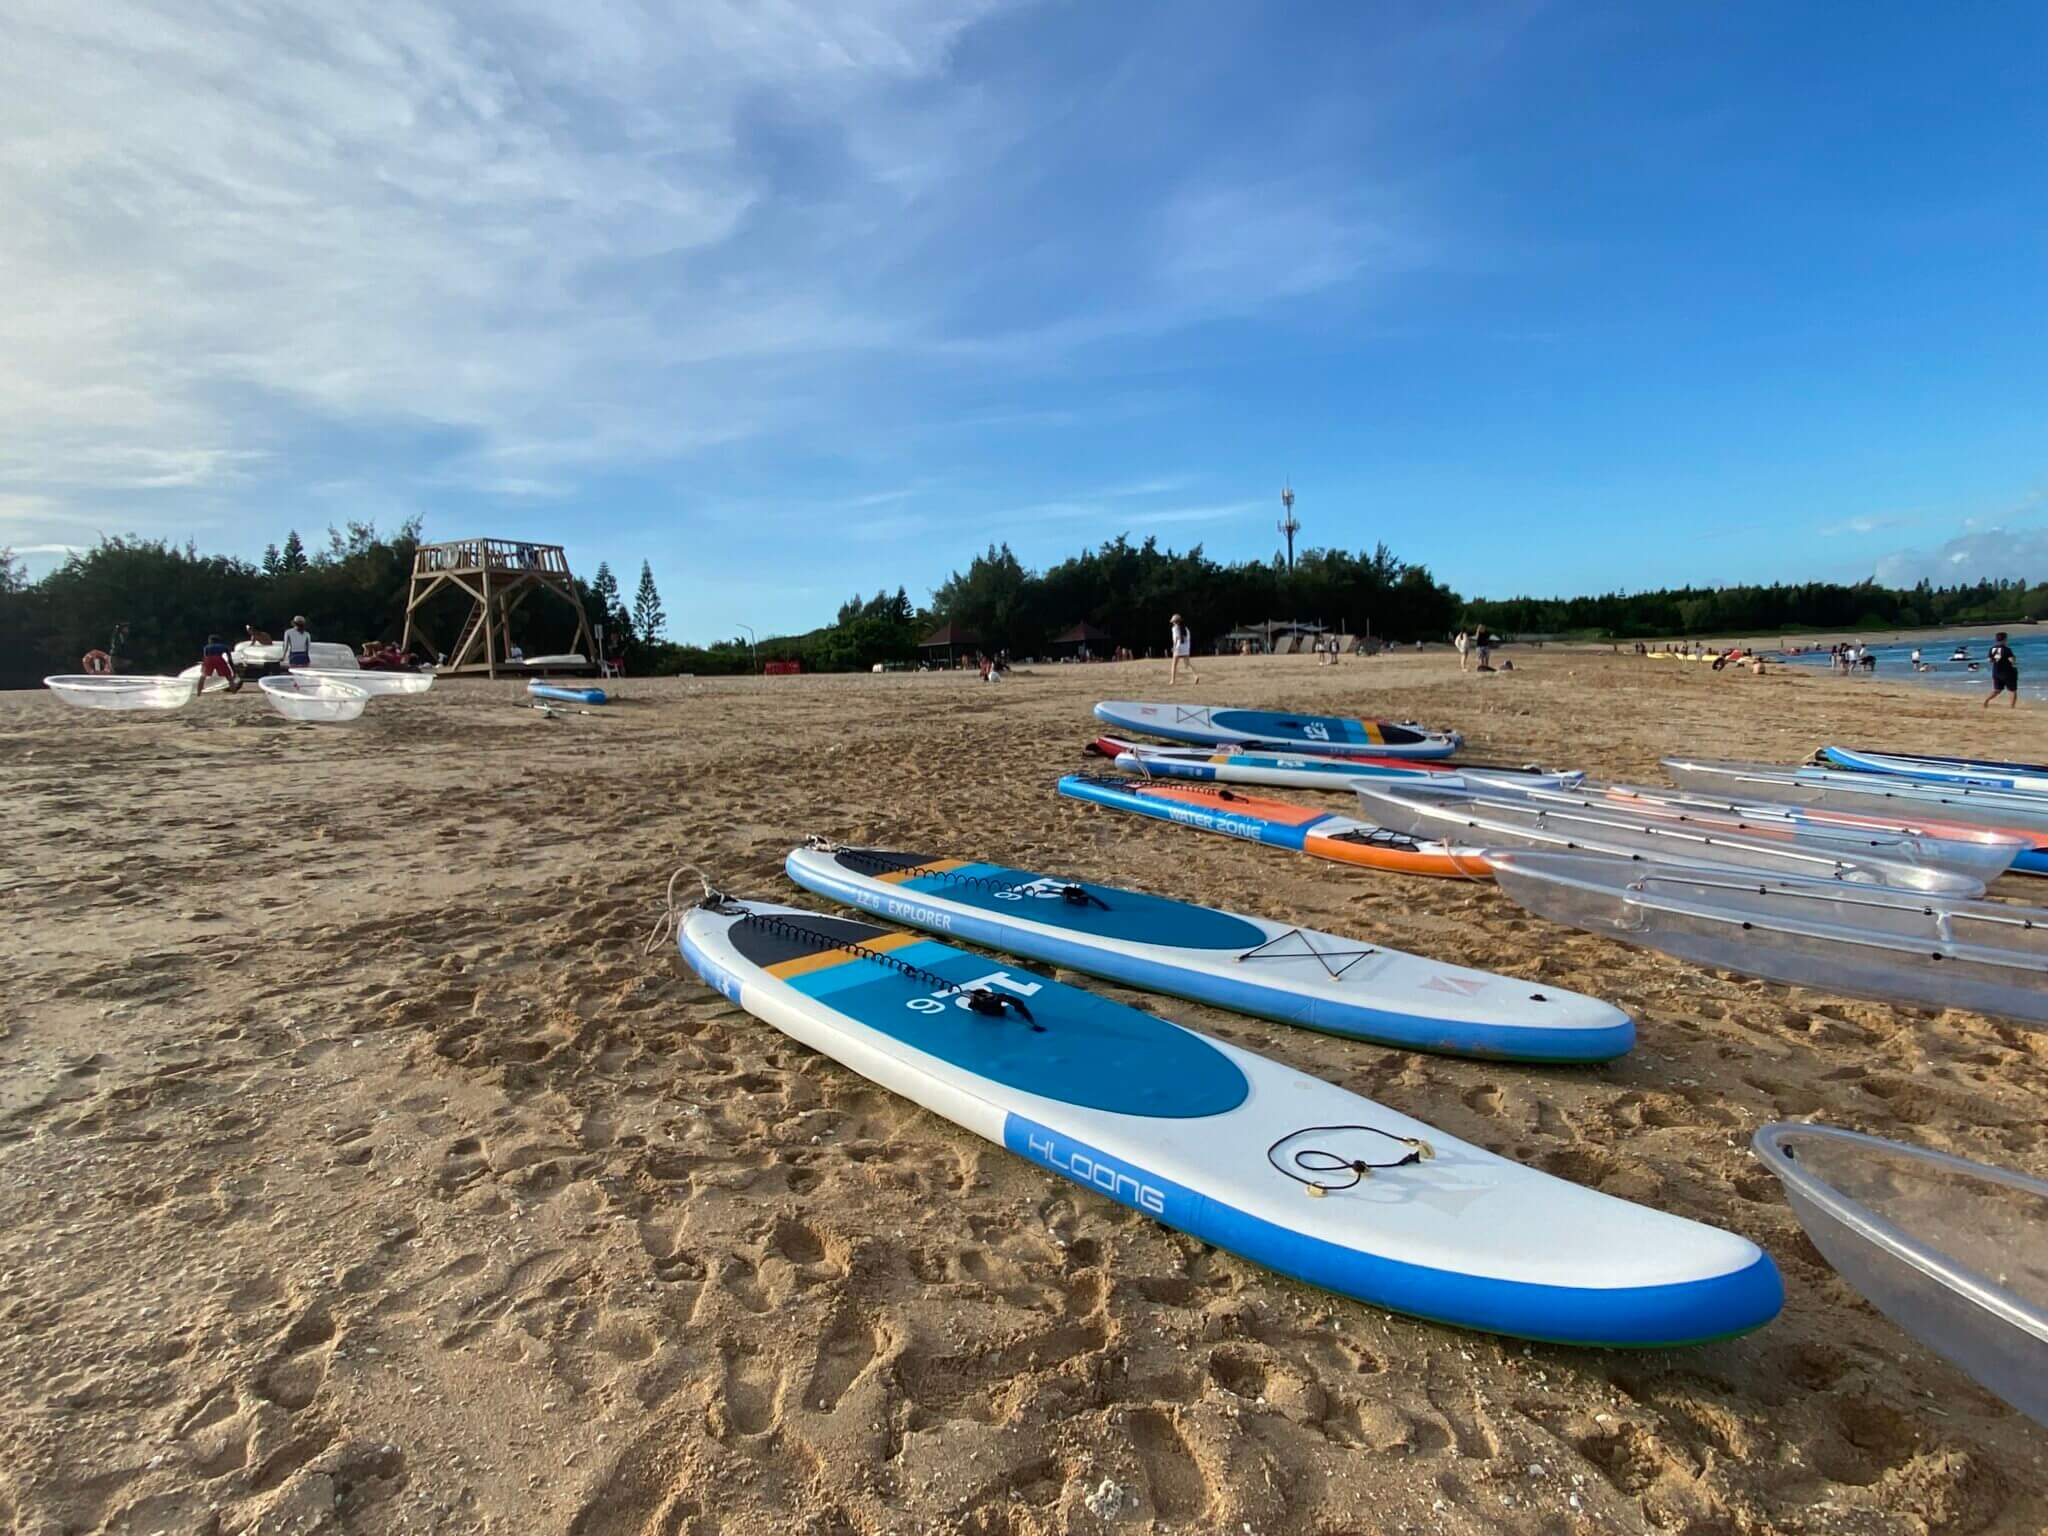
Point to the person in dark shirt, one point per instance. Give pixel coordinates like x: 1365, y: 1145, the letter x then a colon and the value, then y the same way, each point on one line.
x: 2005, y: 670
x: 213, y: 662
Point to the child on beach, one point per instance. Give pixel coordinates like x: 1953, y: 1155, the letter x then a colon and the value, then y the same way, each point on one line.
x: 213, y: 662
x: 2005, y: 671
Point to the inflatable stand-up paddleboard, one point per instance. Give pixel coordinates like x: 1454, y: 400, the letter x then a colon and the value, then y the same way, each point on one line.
x: 566, y: 695
x: 2022, y: 816
x: 1954, y: 1252
x: 1206, y: 725
x: 1278, y: 824
x: 2022, y: 778
x: 1301, y: 770
x: 1287, y: 1171
x: 1274, y: 970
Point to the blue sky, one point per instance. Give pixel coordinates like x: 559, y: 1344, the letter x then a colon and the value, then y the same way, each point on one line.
x: 799, y: 299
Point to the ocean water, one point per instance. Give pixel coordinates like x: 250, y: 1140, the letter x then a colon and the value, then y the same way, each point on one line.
x: 1895, y: 663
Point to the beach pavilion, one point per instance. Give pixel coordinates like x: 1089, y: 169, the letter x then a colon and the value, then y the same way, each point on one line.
x: 1083, y: 642
x: 944, y: 646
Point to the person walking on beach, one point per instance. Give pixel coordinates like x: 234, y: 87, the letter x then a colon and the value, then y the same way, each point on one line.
x: 2005, y: 670
x: 213, y: 662
x: 1482, y: 642
x: 1461, y: 645
x: 1181, y: 647
x: 298, y: 644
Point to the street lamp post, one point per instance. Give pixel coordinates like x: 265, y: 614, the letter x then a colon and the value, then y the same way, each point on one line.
x: 754, y: 646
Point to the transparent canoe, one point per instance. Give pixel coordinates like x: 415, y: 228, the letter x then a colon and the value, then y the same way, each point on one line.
x: 1505, y: 818
x: 1861, y: 941
x: 1954, y: 1252
x: 375, y: 684
x: 314, y: 700
x: 1978, y: 852
x: 89, y: 690
x: 1865, y: 793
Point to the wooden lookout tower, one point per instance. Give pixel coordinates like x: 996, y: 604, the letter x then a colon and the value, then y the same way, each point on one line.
x: 499, y: 575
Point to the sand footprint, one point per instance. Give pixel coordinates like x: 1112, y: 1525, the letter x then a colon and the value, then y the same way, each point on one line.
x: 848, y: 1348
x: 1180, y: 1492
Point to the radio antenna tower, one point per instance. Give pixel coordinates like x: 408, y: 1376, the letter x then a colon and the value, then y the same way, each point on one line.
x: 1289, y: 523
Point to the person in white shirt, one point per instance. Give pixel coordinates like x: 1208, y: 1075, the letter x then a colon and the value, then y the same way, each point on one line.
x: 1181, y: 646
x: 298, y: 644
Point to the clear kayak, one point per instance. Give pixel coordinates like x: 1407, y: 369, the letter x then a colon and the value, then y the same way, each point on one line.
x: 1275, y: 769
x: 1981, y: 854
x: 314, y: 700
x: 1954, y: 1252
x: 2022, y: 778
x: 94, y: 690
x: 1861, y: 941
x: 375, y: 684
x: 2017, y: 815
x: 1501, y: 818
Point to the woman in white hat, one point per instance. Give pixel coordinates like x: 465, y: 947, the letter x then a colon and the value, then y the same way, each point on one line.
x: 298, y: 644
x: 1181, y: 647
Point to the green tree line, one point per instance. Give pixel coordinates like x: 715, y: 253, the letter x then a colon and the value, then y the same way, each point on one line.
x: 1784, y: 608
x: 166, y: 598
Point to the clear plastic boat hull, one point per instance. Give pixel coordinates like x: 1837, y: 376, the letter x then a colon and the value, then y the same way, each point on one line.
x: 1954, y: 1252
x: 1497, y: 817
x: 314, y: 700
x: 1862, y: 941
x: 375, y: 684
x: 88, y: 690
x: 1865, y: 793
x: 1980, y: 855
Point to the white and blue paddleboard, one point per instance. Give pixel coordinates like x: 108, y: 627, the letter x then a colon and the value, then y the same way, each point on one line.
x: 1296, y: 770
x: 1977, y: 773
x: 1250, y: 964
x: 566, y: 695
x: 1280, y: 1168
x: 1206, y: 725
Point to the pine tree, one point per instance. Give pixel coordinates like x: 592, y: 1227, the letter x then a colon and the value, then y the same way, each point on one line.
x: 294, y: 556
x: 611, y: 607
x: 273, y: 562
x: 648, y: 619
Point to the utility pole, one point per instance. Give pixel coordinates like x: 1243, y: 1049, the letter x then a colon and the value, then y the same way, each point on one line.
x: 1289, y: 523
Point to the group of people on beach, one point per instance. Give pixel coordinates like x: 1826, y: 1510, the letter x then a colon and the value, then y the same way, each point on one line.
x: 216, y: 657
x: 1478, y: 643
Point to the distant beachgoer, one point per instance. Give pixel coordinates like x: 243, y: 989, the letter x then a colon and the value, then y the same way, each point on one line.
x: 2005, y: 670
x: 298, y: 644
x: 213, y: 662
x: 1461, y: 644
x: 257, y: 636
x: 1482, y: 642
x: 1181, y: 646
x: 1918, y: 664
x: 517, y: 654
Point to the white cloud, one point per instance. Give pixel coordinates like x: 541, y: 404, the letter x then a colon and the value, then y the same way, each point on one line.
x: 1988, y: 554
x: 521, y: 226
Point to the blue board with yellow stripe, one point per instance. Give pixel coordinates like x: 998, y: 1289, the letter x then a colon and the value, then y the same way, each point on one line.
x: 1275, y: 970
x: 1288, y: 1171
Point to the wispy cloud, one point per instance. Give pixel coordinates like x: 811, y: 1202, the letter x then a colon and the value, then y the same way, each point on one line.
x: 2010, y: 548
x: 229, y: 228
x: 1863, y: 526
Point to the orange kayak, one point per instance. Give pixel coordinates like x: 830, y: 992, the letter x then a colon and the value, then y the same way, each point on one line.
x: 1279, y: 824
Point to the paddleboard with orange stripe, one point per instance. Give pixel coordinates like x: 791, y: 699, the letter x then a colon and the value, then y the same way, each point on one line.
x: 1280, y: 824
x: 1233, y: 1148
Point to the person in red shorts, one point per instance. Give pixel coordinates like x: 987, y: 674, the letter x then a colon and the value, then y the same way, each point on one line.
x: 213, y: 662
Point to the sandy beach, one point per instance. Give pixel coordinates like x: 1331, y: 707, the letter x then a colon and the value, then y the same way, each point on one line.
x: 364, y: 1171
